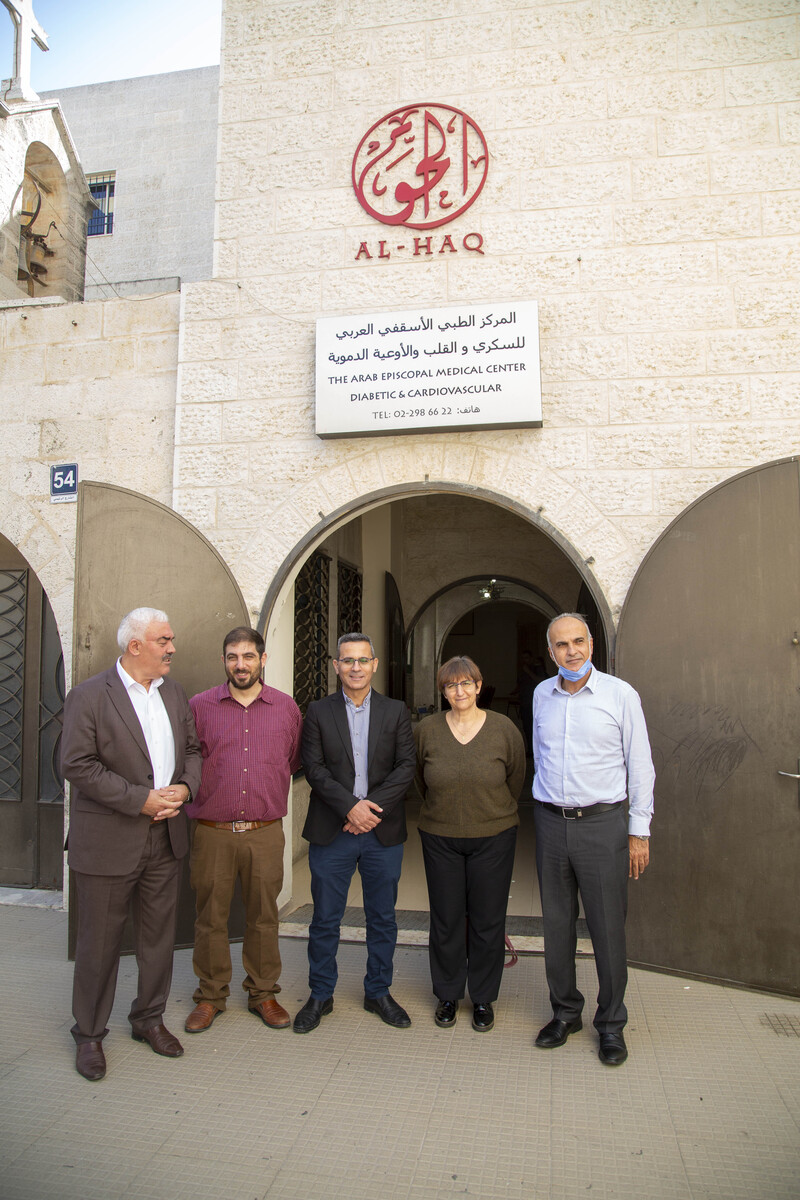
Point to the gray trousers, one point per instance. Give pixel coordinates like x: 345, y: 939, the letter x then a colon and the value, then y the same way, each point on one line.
x: 587, y: 855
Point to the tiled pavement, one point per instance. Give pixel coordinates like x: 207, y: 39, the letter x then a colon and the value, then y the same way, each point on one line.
x: 708, y: 1104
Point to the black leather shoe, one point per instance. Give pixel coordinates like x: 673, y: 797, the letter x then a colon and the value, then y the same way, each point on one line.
x: 160, y: 1040
x: 388, y: 1010
x: 446, y: 1014
x: 90, y: 1061
x: 556, y: 1032
x: 613, y: 1050
x: 311, y: 1014
x: 482, y: 1018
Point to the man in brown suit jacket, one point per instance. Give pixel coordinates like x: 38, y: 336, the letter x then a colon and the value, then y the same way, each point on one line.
x: 130, y: 752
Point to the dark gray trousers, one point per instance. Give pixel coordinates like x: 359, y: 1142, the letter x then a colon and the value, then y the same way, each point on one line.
x: 587, y: 855
x: 151, y: 891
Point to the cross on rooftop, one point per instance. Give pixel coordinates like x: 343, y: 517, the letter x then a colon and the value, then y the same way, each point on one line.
x: 26, y: 29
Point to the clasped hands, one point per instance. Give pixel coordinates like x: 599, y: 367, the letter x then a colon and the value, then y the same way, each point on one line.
x: 362, y: 817
x: 166, y: 802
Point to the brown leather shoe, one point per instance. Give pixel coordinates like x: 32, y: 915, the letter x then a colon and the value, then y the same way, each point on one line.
x: 90, y: 1061
x: 160, y: 1040
x: 271, y: 1013
x: 202, y: 1017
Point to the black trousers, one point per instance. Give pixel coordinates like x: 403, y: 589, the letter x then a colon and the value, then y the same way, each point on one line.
x: 468, y: 882
x: 587, y: 855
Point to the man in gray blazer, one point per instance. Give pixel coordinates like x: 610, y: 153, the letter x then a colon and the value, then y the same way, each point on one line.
x: 130, y: 752
x: 359, y: 757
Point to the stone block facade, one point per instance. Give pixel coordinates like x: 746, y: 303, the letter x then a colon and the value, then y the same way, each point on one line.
x: 643, y: 187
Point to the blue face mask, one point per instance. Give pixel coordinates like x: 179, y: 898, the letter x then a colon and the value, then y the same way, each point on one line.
x: 574, y: 676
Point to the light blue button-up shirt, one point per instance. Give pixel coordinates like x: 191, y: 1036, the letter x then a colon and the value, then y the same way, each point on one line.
x: 358, y: 724
x: 591, y: 747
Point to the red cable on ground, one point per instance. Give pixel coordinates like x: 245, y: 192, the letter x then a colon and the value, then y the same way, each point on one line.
x: 514, y: 956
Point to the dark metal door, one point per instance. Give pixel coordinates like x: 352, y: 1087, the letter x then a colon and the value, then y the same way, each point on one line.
x: 134, y: 551
x: 395, y: 641
x: 710, y: 638
x: 31, y: 704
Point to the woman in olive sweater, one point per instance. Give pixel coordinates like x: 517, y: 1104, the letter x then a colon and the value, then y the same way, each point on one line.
x: 470, y: 769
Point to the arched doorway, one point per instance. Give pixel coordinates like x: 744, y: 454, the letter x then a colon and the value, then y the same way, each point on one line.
x: 396, y: 556
x: 493, y: 619
x: 494, y: 633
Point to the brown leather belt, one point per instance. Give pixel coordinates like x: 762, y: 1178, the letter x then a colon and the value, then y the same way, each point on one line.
x: 573, y: 814
x: 237, y: 826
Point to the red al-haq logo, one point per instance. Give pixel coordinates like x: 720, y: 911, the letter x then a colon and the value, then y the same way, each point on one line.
x: 421, y: 166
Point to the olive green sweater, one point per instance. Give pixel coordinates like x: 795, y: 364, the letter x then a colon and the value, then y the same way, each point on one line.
x: 469, y: 791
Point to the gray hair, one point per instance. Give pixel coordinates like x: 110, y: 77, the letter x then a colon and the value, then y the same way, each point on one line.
x: 355, y: 637
x: 136, y: 624
x: 573, y: 616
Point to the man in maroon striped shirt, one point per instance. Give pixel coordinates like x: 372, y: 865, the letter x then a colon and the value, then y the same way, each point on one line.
x: 250, y: 737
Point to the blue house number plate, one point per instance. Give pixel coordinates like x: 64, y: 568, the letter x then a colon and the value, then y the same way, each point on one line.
x: 64, y: 483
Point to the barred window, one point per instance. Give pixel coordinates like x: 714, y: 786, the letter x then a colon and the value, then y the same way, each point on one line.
x: 311, y: 623
x: 102, y: 189
x: 349, y: 605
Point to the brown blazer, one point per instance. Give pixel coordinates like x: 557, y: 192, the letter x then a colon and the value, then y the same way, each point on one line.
x: 104, y: 756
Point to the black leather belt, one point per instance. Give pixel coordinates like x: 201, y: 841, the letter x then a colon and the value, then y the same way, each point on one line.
x: 574, y: 814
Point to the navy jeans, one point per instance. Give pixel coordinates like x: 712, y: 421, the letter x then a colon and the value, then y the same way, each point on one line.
x: 332, y: 868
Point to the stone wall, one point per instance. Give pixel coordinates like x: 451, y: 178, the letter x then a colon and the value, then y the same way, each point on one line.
x: 644, y: 187
x: 159, y: 134
x: 86, y: 383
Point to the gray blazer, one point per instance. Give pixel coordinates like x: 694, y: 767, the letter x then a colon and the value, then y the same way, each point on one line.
x: 104, y: 756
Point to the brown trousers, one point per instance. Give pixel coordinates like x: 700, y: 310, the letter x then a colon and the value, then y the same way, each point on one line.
x: 151, y: 891
x: 219, y: 856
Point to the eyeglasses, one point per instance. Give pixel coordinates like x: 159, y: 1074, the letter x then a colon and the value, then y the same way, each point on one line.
x: 349, y: 662
x: 466, y: 684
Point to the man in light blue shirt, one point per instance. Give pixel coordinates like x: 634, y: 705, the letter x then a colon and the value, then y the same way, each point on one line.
x: 591, y: 753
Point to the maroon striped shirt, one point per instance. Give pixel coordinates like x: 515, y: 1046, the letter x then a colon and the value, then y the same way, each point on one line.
x: 249, y: 755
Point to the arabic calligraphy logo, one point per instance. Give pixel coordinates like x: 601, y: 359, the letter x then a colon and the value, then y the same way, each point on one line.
x: 421, y: 166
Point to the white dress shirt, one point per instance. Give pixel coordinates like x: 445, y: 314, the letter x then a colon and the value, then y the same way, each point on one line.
x: 591, y: 747
x: 155, y: 723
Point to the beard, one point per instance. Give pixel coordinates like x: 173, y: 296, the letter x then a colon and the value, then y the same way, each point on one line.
x: 245, y: 681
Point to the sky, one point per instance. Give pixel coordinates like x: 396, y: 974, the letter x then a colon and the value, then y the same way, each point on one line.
x: 92, y: 41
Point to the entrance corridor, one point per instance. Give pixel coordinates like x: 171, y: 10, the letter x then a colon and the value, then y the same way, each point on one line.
x: 523, y: 921
x: 413, y: 893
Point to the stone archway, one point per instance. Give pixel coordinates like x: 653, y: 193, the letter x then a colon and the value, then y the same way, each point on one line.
x: 525, y: 534
x: 283, y: 577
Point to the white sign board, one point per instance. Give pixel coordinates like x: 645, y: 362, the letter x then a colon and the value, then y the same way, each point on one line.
x: 468, y: 367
